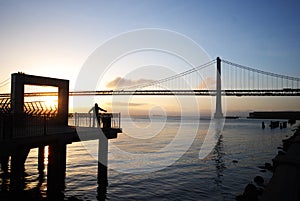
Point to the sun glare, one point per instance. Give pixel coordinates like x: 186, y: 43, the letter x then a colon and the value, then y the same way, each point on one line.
x: 50, y: 102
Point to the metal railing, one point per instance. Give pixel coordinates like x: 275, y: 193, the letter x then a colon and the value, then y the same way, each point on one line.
x: 4, y: 105
x: 105, y: 120
x: 13, y: 126
x: 33, y: 108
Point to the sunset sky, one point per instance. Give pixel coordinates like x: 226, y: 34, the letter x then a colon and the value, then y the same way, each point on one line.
x: 55, y: 38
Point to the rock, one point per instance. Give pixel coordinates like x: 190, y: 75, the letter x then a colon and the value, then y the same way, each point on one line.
x: 268, y: 166
x: 239, y: 198
x: 259, y: 180
x: 251, y: 192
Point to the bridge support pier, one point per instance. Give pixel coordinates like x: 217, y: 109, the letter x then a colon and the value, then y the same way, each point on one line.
x: 218, y: 112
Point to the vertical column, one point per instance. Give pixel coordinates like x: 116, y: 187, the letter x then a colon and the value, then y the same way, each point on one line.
x: 218, y: 112
x: 41, y: 160
x: 16, y: 181
x: 17, y: 93
x: 102, y: 166
x: 63, y: 102
x: 56, y: 170
x: 18, y: 159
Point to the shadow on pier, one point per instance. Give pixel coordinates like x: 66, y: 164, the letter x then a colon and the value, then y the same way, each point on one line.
x: 24, y: 126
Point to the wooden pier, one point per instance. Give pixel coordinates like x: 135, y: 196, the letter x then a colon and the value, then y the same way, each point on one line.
x: 21, y: 131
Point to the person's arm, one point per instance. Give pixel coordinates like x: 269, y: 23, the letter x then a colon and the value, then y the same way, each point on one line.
x: 103, y: 110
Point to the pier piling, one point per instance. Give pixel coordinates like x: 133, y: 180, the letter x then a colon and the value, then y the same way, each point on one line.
x: 56, y: 169
x: 102, y: 166
x: 41, y: 159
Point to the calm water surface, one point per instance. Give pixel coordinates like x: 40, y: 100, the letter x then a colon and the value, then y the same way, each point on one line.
x: 242, y: 147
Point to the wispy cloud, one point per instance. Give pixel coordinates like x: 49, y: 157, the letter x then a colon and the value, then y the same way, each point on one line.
x: 120, y: 103
x: 120, y: 82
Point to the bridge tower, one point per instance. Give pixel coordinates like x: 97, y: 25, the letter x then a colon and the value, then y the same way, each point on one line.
x: 218, y: 112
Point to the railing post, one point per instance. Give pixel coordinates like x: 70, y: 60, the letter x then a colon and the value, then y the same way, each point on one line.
x: 218, y: 112
x: 75, y: 118
x: 119, y: 120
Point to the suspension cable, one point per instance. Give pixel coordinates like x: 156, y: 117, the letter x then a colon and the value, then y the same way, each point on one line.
x: 261, y: 71
x: 172, y: 77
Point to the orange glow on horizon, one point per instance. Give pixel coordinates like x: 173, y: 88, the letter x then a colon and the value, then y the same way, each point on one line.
x: 51, y: 101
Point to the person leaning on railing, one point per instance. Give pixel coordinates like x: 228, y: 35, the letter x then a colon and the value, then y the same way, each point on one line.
x: 96, y: 110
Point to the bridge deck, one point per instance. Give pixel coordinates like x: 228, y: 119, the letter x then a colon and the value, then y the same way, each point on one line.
x: 183, y: 92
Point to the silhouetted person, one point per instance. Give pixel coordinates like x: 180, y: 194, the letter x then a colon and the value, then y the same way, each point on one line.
x: 263, y: 125
x: 96, y: 110
x: 99, y: 108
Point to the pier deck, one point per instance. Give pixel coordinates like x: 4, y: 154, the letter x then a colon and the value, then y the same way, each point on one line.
x: 65, y: 135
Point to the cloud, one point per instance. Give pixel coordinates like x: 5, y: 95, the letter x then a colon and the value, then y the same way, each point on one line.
x: 120, y: 82
x: 207, y: 83
x: 120, y: 103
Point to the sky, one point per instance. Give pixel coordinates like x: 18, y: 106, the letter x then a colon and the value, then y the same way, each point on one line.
x: 55, y: 38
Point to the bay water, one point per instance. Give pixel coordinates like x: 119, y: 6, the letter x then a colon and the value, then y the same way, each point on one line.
x: 158, y: 158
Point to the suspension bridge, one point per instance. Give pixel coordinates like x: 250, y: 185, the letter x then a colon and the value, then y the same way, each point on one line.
x: 215, y: 78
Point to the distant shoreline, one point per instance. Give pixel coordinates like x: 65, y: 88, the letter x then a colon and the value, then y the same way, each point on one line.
x: 275, y: 115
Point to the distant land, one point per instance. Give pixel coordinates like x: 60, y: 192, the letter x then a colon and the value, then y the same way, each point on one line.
x: 275, y: 115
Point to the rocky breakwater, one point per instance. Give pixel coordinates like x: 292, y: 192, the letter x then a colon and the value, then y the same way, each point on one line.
x: 285, y: 182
